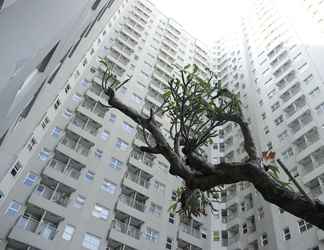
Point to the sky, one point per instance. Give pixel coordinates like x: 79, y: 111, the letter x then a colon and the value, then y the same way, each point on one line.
x: 204, y: 19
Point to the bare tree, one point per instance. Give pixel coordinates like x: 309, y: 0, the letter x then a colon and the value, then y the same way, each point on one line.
x: 196, y: 107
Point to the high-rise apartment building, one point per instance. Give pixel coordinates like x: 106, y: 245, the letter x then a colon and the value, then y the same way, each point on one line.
x: 280, y: 83
x: 72, y: 175
x: 79, y: 180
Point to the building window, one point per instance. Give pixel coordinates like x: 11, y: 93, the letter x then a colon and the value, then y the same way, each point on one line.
x: 304, y: 226
x: 216, y: 236
x: 168, y: 244
x: 44, y: 122
x: 30, y: 179
x: 264, y: 239
x: 155, y: 209
x: 286, y: 233
x: 76, y: 98
x: 67, y: 88
x: 68, y: 232
x: 152, y: 234
x: 16, y: 169
x: 91, y: 242
x: 112, y: 118
x: 98, y: 153
x: 67, y: 113
x: 308, y: 79
x: 115, y: 163
x: 128, y: 128
x: 84, y: 83
x: 104, y: 135
x: 278, y: 120
x: 159, y: 187
x: 31, y: 144
x: 174, y: 196
x: 100, y: 212
x: 13, y: 208
x: 261, y: 213
x: 288, y: 154
x: 203, y: 235
x: 57, y: 104
x: 56, y: 132
x: 243, y: 207
x: 121, y: 144
x: 89, y: 176
x: 137, y: 98
x: 320, y: 108
x: 244, y: 228
x: 108, y: 187
x: 44, y: 154
x: 283, y: 135
x: 315, y: 92
x: 79, y: 201
x: 171, y: 218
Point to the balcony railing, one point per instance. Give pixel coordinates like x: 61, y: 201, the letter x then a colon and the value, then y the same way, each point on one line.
x: 65, y: 169
x: 52, y: 195
x: 190, y: 230
x: 76, y: 145
x: 131, y: 202
x: 46, y: 230
x: 143, y: 157
x: 126, y: 229
x: 139, y: 180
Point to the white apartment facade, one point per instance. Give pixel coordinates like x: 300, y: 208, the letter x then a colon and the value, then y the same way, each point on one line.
x: 79, y: 181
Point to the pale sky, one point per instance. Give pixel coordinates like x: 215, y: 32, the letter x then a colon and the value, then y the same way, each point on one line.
x: 204, y: 19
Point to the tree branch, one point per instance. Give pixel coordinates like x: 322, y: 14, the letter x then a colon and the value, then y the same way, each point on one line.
x: 177, y: 166
x: 272, y: 191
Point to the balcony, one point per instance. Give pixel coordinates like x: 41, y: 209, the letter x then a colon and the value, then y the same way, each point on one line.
x: 300, y: 122
x: 36, y: 227
x: 133, y: 202
x: 184, y: 245
x: 167, y: 50
x: 81, y: 124
x: 54, y: 191
x: 138, y: 18
x: 233, y: 235
x: 230, y: 213
x: 195, y: 232
x: 158, y: 86
x: 122, y: 48
x: 126, y: 229
x: 138, y: 176
x: 94, y: 107
x: 282, y: 68
x: 253, y: 245
x: 14, y: 245
x: 291, y: 92
x: 142, y: 160
x: 63, y: 167
x: 308, y: 139
x: 115, y: 245
x: 285, y: 80
x: 231, y: 192
x: 129, y: 41
x: 77, y: 143
x: 250, y: 221
x: 135, y: 25
x: 314, y: 188
x: 131, y: 32
x: 295, y: 106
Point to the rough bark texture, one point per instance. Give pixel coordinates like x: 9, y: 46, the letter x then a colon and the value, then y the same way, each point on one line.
x: 200, y: 174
